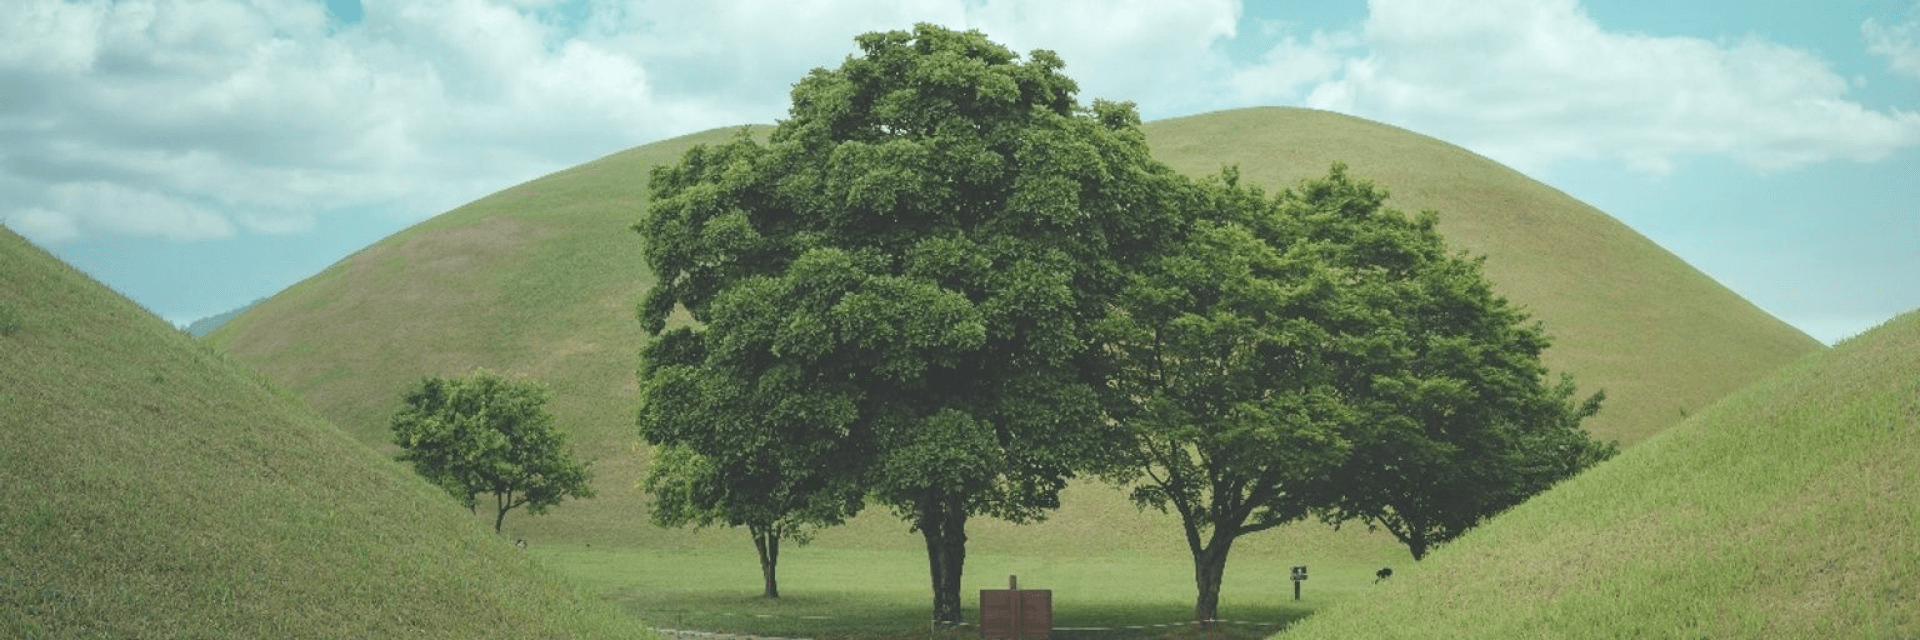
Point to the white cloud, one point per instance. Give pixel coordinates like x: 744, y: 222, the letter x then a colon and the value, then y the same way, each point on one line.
x: 1899, y: 43
x: 1291, y: 65
x: 43, y: 226
x: 75, y: 208
x: 1159, y: 54
x: 1531, y: 82
x: 260, y: 115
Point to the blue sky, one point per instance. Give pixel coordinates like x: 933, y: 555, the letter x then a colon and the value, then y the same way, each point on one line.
x: 197, y: 155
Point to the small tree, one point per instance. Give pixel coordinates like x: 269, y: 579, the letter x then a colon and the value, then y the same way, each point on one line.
x: 765, y: 456
x: 689, y: 488
x: 486, y: 434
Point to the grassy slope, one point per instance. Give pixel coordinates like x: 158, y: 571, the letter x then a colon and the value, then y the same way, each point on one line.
x: 159, y: 489
x: 1788, y: 510
x: 541, y: 279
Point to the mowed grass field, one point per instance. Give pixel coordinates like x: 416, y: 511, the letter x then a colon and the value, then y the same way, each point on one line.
x: 1789, y: 510
x: 869, y: 579
x: 157, y: 488
x: 849, y: 594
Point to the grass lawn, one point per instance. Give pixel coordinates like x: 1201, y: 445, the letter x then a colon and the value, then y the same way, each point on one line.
x: 847, y: 594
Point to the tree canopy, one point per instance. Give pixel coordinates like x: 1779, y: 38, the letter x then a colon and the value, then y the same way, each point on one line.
x: 907, y: 276
x: 1459, y: 419
x: 485, y: 434
x: 1317, y: 352
x: 1226, y: 356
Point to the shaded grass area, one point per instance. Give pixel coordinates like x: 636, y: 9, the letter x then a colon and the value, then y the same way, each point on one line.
x: 1789, y: 510
x: 157, y: 488
x: 842, y: 594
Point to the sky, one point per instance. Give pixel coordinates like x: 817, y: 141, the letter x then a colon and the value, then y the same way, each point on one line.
x: 196, y: 155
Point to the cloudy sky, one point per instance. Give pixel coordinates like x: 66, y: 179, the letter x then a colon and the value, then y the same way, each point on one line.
x: 199, y: 154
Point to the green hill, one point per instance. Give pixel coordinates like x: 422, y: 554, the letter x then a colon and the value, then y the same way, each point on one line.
x: 1788, y: 510
x: 542, y: 278
x: 159, y: 489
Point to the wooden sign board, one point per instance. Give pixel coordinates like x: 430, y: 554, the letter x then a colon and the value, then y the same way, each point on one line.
x: 1016, y: 614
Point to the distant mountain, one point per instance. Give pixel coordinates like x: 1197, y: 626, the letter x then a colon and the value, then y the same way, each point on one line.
x: 542, y: 279
x: 157, y: 488
x: 200, y: 328
x: 1786, y: 510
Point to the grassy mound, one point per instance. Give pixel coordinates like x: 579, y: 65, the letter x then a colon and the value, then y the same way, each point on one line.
x: 541, y: 279
x: 159, y: 489
x: 1787, y: 510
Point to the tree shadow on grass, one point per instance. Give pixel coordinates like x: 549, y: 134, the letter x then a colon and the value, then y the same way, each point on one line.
x: 874, y: 616
x: 1169, y: 621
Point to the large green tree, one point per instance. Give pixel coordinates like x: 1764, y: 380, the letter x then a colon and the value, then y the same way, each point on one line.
x: 1265, y: 368
x: 908, y: 273
x: 1459, y: 417
x: 1228, y: 357
x: 486, y: 434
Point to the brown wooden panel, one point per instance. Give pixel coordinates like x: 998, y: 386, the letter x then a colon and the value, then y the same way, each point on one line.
x: 1036, y: 613
x: 997, y: 613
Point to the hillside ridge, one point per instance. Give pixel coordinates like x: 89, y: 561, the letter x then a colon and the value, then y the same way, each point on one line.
x: 1787, y: 510
x: 162, y: 489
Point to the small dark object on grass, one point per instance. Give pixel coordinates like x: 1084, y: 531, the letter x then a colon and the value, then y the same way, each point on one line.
x: 520, y: 544
x: 1382, y: 574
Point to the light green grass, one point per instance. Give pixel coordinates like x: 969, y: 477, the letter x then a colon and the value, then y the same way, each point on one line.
x: 157, y: 488
x: 1789, y: 510
x: 540, y: 279
x: 845, y: 594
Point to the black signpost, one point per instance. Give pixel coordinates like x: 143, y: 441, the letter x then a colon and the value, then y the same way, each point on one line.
x: 1299, y: 576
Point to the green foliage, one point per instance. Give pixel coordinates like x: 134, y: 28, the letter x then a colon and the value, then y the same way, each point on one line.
x: 1225, y: 367
x: 911, y: 269
x: 529, y: 280
x: 485, y: 434
x: 1318, y: 351
x: 777, y: 498
x: 1456, y: 417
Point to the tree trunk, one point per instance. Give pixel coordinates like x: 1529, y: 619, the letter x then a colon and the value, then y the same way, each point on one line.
x: 766, y: 540
x: 944, y: 526
x: 1417, y: 543
x: 1209, y: 565
x: 504, y: 502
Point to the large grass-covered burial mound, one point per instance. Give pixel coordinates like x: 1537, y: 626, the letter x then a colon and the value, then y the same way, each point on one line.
x: 541, y: 279
x: 157, y: 488
x: 1788, y: 510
